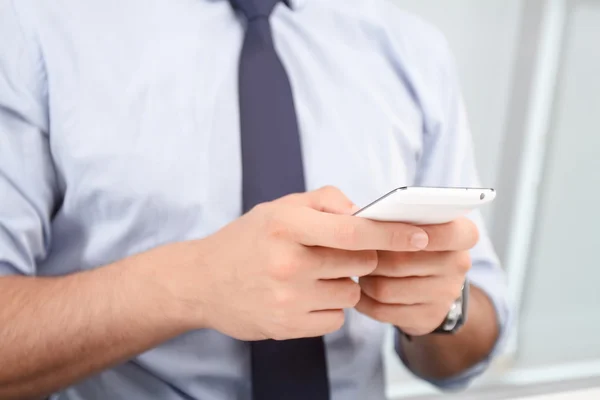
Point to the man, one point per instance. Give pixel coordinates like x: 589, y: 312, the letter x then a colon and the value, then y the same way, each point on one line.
x: 177, y: 182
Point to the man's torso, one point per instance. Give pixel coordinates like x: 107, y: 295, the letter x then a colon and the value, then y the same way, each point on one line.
x: 144, y: 133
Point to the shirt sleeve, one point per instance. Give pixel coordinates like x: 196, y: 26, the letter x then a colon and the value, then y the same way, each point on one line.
x: 447, y: 159
x: 27, y: 177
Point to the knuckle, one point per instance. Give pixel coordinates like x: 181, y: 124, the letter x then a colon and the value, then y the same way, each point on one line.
x: 346, y: 234
x: 395, y: 262
x: 402, y: 258
x: 471, y: 232
x: 275, y: 225
x: 381, y: 290
x: 475, y: 233
x: 330, y: 190
x: 330, y: 198
x: 285, y: 267
x: 463, y: 261
x: 369, y: 260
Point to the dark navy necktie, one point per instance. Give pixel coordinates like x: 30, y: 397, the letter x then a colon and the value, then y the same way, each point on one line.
x: 272, y: 168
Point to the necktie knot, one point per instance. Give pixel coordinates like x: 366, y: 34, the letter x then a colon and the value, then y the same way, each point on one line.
x: 253, y: 9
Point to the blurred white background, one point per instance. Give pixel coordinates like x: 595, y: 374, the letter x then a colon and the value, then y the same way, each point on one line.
x: 529, y: 75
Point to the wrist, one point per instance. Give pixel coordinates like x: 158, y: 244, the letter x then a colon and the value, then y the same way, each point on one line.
x: 172, y: 269
x: 444, y: 356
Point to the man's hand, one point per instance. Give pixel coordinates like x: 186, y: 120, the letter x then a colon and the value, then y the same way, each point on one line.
x: 283, y: 270
x: 415, y: 290
x: 280, y: 271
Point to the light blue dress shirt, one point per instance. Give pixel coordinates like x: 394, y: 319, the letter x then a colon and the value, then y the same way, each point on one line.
x: 119, y: 132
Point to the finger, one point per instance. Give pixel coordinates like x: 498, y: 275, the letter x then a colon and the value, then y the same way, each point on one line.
x: 417, y: 320
x: 313, y: 228
x: 461, y: 234
x: 412, y: 290
x: 327, y: 199
x: 329, y: 263
x: 335, y: 294
x: 422, y: 263
x: 381, y: 312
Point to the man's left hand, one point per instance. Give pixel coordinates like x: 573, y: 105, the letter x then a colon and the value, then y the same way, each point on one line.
x: 415, y: 290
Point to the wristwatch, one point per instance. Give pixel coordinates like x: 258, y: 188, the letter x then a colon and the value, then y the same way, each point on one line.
x: 456, y: 317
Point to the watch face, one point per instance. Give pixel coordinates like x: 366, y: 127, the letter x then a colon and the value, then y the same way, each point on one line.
x: 453, y: 316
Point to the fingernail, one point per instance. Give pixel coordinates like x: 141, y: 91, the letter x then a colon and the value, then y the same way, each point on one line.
x: 419, y: 240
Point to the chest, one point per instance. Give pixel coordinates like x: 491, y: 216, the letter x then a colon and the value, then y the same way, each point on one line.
x: 144, y: 116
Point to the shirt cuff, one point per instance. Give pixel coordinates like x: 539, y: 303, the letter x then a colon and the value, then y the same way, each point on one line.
x: 494, y: 287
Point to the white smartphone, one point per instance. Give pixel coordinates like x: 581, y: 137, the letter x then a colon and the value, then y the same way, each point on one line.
x: 426, y: 205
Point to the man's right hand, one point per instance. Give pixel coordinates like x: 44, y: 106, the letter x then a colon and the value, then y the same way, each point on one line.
x: 284, y: 269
